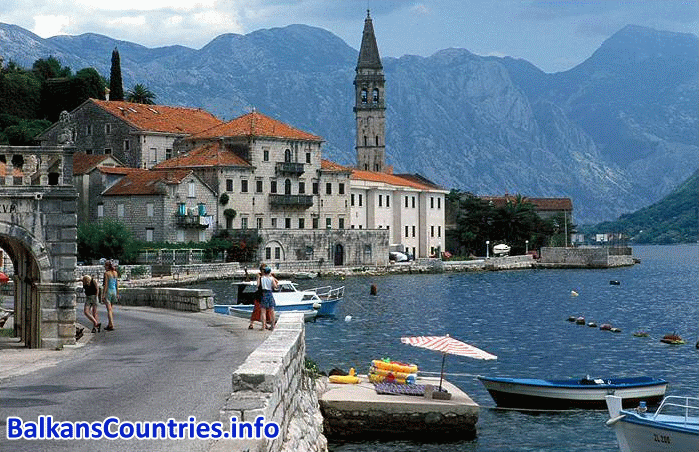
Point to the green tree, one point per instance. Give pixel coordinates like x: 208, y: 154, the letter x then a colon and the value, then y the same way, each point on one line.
x: 109, y: 239
x: 50, y: 68
x: 116, y: 86
x: 24, y: 132
x: 20, y: 92
x: 139, y: 94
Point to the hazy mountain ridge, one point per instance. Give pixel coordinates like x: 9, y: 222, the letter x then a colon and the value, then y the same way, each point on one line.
x: 615, y: 133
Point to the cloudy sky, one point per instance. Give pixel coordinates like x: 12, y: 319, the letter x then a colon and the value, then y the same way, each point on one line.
x: 555, y: 35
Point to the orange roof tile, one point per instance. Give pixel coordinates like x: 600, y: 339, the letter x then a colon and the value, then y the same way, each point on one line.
x: 160, y: 118
x: 210, y: 154
x: 117, y: 169
x: 257, y: 125
x: 332, y: 166
x: 145, y: 182
x: 392, y: 179
x: 84, y: 163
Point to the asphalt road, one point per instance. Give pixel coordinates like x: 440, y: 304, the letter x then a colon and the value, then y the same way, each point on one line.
x: 156, y: 365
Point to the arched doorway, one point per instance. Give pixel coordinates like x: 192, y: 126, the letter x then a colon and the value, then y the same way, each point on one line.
x: 339, y: 254
x: 36, y: 314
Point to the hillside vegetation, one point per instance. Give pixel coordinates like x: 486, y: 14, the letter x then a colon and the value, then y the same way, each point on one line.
x: 674, y: 219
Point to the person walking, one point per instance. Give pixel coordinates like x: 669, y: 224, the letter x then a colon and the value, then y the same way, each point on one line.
x: 258, y: 297
x: 268, y: 284
x: 110, y: 291
x: 90, y: 309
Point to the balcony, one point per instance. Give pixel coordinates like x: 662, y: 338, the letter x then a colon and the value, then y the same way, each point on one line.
x: 290, y: 168
x: 193, y: 221
x: 304, y: 201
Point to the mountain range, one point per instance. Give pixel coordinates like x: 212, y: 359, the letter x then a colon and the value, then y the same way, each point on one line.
x: 615, y: 133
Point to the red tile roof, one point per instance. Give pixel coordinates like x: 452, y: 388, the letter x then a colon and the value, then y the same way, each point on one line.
x: 210, y: 154
x: 332, y: 166
x: 392, y: 179
x: 84, y: 163
x: 256, y: 124
x: 146, y: 182
x: 117, y: 169
x: 540, y: 204
x: 160, y: 118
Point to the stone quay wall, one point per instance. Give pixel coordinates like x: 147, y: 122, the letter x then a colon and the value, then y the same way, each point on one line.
x: 177, y: 299
x: 602, y: 257
x: 272, y: 383
x: 193, y: 300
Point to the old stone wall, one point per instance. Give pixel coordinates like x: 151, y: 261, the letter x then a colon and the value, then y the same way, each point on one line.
x: 272, y: 383
x: 192, y: 300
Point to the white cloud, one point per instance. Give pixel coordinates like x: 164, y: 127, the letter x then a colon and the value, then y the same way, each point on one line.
x: 214, y: 18
x: 128, y: 20
x: 150, y: 5
x: 47, y: 26
x: 420, y: 8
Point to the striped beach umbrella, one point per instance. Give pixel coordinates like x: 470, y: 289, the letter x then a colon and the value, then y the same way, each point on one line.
x: 447, y: 345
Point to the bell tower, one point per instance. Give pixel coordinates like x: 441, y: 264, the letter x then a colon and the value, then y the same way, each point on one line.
x: 369, y: 104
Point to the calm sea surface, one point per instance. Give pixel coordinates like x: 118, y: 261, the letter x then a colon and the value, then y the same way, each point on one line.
x: 520, y: 316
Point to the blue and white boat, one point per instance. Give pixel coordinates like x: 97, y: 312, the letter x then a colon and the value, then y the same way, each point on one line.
x: 288, y: 297
x: 674, y: 427
x: 587, y: 393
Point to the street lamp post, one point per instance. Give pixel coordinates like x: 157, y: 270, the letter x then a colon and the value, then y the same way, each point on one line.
x: 487, y: 249
x: 526, y: 247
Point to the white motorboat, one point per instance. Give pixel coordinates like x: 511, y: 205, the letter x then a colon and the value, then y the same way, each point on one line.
x: 674, y: 427
x: 288, y: 297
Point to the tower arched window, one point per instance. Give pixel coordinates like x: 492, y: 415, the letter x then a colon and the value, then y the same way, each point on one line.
x: 364, y: 95
x: 377, y: 140
x: 287, y: 187
x: 375, y: 95
x: 365, y: 142
x: 287, y: 156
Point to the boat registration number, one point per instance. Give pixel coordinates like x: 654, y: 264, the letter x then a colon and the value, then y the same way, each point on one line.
x: 665, y: 439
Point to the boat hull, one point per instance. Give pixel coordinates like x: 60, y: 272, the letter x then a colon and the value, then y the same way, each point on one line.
x: 571, y: 394
x: 645, y: 432
x: 245, y: 311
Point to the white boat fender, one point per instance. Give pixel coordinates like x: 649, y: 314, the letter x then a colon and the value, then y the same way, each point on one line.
x: 614, y: 420
x: 316, y: 305
x: 348, y: 318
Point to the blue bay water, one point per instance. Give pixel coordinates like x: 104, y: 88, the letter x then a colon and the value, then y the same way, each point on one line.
x: 520, y: 316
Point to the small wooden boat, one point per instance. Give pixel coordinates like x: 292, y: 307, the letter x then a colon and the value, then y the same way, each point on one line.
x: 537, y: 394
x: 673, y: 339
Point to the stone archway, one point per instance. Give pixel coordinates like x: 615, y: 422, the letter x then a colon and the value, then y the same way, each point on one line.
x: 38, y: 230
x: 37, y: 314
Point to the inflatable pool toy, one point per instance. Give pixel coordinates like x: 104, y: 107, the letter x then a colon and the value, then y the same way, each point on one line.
x: 390, y: 378
x: 395, y: 366
x: 385, y: 373
x: 352, y: 378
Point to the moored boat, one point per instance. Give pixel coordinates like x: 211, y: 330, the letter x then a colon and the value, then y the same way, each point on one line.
x: 587, y: 393
x: 245, y: 311
x: 324, y: 300
x: 674, y: 427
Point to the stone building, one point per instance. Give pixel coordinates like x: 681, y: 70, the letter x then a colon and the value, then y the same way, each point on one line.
x: 138, y: 135
x: 162, y: 206
x: 92, y: 174
x: 410, y: 207
x: 269, y: 176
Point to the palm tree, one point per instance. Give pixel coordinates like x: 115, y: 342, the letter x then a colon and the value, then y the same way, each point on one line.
x: 139, y: 94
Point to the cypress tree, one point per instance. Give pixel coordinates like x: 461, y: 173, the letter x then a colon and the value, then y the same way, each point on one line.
x: 116, y: 88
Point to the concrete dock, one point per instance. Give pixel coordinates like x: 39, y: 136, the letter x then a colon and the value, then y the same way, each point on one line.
x: 357, y: 411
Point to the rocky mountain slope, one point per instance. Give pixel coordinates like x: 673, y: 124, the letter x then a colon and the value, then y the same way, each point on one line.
x: 615, y: 133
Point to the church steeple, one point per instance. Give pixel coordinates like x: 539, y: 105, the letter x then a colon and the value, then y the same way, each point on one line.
x: 369, y: 105
x: 369, y: 52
